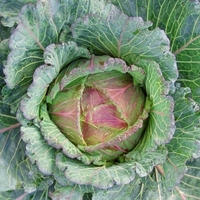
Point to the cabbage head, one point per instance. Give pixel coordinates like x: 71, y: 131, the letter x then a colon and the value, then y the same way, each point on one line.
x: 100, y: 99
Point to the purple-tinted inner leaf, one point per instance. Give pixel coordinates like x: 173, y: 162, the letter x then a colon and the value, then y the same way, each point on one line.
x: 98, y: 109
x: 65, y: 113
x: 121, y: 92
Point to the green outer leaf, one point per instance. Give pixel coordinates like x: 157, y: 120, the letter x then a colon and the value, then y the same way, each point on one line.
x: 148, y: 160
x: 13, y: 97
x: 38, y: 150
x: 105, y: 177
x: 6, y: 119
x: 9, y: 10
x: 99, y: 176
x: 161, y: 118
x: 127, y: 191
x: 189, y: 185
x: 56, y: 57
x: 183, y: 29
x: 4, y: 50
x: 131, y: 42
x: 39, y: 26
x: 9, y: 159
x: 160, y: 126
x: 17, y: 173
x: 188, y: 188
x: 185, y: 143
x: 178, y: 177
x: 72, y: 192
x: 128, y: 7
x: 181, y: 21
x: 187, y: 49
x: 67, y: 192
x: 20, y: 194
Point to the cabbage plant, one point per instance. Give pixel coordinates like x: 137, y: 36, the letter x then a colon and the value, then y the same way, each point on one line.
x: 100, y: 99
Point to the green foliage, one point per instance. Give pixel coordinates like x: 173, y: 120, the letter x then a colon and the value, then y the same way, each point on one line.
x: 47, y: 44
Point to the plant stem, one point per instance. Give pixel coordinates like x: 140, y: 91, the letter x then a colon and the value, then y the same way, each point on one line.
x: 10, y: 128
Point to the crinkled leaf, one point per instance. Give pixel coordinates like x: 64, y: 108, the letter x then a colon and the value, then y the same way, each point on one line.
x: 148, y: 160
x: 188, y: 188
x: 10, y: 159
x: 20, y: 195
x: 125, y: 38
x: 38, y: 150
x: 13, y: 97
x: 181, y: 21
x: 129, y: 191
x: 99, y: 64
x: 105, y: 177
x: 189, y: 185
x: 9, y: 10
x: 57, y: 139
x: 160, y: 126
x: 175, y: 178
x: 17, y: 173
x: 29, y: 40
x: 67, y: 193
x: 4, y: 50
x: 56, y: 57
x: 7, y: 120
x: 39, y: 26
x: 72, y: 192
x: 186, y: 44
x: 99, y: 176
x: 185, y: 143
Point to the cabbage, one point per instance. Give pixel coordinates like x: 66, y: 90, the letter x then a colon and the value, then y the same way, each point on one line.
x: 99, y: 99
